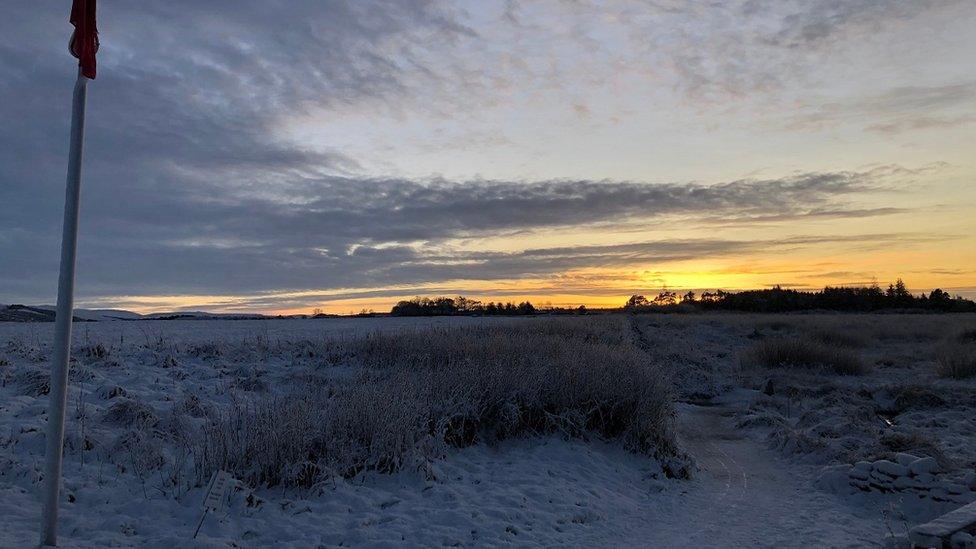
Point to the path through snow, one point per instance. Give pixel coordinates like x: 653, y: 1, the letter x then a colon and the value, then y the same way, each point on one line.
x: 746, y: 496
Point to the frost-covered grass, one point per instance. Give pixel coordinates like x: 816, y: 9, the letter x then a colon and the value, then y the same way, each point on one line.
x: 796, y: 352
x: 904, y: 399
x: 298, y: 411
x: 404, y: 431
x: 411, y: 397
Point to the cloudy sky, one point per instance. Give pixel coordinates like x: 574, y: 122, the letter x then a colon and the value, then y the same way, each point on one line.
x: 278, y: 156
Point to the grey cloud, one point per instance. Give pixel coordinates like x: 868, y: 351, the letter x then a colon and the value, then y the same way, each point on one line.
x: 187, y: 191
x: 180, y: 114
x: 722, y: 51
x: 336, y: 232
x: 812, y: 23
x: 838, y: 274
x: 948, y: 272
x: 847, y: 213
x: 922, y: 123
x: 897, y: 109
x: 192, y: 86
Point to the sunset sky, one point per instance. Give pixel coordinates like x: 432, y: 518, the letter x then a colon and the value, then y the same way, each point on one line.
x: 276, y: 156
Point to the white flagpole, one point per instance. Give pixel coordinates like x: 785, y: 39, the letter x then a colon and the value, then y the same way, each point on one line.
x: 62, y: 334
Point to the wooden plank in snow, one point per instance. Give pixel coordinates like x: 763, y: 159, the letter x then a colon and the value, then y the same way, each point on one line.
x: 938, y: 531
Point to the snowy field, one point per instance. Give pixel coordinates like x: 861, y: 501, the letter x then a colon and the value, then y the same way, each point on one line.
x: 656, y: 430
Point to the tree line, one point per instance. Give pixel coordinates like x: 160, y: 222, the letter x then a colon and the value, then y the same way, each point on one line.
x: 773, y: 300
x: 777, y: 299
x: 452, y: 306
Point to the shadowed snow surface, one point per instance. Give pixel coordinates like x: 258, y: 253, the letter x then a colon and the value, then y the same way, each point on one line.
x: 527, y: 492
x: 543, y: 492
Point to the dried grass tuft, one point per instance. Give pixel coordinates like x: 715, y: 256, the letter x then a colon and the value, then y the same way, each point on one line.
x: 416, y: 395
x: 796, y: 352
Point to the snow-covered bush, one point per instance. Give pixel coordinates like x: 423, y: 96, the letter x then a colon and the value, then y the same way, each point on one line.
x: 416, y: 394
x: 803, y: 353
x: 32, y: 381
x: 91, y: 353
x: 130, y: 413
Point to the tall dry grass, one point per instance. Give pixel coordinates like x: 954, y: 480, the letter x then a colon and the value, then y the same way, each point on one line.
x: 416, y: 395
x: 797, y: 352
x: 956, y: 360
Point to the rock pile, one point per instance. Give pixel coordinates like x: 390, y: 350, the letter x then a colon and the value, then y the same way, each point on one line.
x: 911, y: 474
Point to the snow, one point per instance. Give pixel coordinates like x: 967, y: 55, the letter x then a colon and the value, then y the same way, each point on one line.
x: 754, y: 484
x: 200, y: 330
x: 932, y: 533
x: 542, y: 492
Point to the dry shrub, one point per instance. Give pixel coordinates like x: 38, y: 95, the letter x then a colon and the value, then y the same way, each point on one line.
x: 839, y: 338
x: 79, y: 373
x: 110, y: 391
x: 140, y: 450
x: 803, y: 353
x: 91, y: 353
x: 914, y: 443
x: 131, y: 413
x: 777, y: 324
x: 191, y: 404
x: 27, y: 348
x: 249, y: 380
x: 956, y: 360
x: 917, y: 328
x: 902, y: 398
x: 967, y: 336
x: 32, y: 382
x: 417, y: 394
x: 206, y: 350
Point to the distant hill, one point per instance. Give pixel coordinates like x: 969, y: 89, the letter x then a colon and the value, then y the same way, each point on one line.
x: 24, y: 313
x: 45, y: 313
x: 202, y: 315
x: 96, y: 314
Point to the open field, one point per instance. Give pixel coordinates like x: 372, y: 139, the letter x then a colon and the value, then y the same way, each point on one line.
x: 703, y: 430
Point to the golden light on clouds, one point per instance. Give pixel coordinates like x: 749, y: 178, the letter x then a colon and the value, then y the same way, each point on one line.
x: 606, y: 287
x: 564, y: 153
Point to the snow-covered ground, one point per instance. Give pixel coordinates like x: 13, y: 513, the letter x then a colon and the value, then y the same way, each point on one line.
x: 758, y: 456
x: 195, y: 331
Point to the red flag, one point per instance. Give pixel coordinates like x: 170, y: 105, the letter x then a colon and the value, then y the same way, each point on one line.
x: 84, y: 40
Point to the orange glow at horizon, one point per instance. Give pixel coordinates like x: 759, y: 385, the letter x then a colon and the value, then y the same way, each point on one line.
x: 927, y: 251
x: 611, y: 291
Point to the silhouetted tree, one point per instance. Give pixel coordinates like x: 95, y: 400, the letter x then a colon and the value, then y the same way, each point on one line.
x: 709, y: 297
x: 637, y: 302
x: 666, y: 297
x: 465, y: 305
x: 940, y: 300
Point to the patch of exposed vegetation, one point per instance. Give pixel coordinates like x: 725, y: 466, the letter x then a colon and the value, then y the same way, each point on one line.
x: 415, y: 395
x: 795, y: 352
x: 956, y: 360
